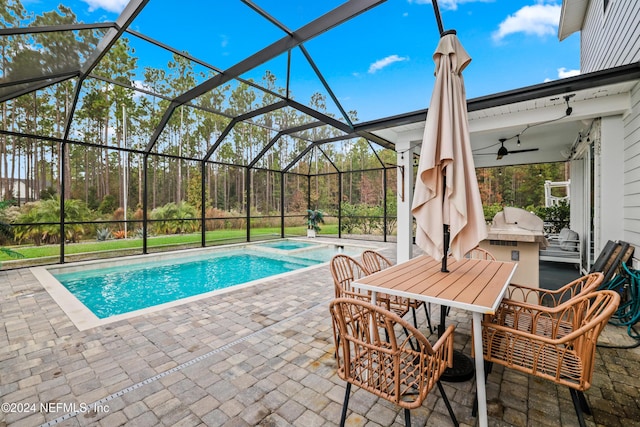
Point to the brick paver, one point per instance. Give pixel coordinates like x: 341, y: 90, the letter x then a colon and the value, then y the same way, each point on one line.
x: 255, y: 356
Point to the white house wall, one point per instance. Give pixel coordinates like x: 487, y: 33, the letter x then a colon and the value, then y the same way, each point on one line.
x: 631, y: 201
x: 610, y: 39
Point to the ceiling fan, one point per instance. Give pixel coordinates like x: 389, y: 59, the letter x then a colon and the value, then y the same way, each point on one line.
x: 502, y: 151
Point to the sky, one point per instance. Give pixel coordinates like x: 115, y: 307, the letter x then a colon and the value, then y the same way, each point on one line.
x: 379, y: 63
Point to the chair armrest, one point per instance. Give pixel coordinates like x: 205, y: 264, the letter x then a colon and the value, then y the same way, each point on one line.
x: 552, y: 322
x: 445, y: 340
x: 584, y: 284
x: 509, y: 304
x: 442, y: 349
x: 512, y: 332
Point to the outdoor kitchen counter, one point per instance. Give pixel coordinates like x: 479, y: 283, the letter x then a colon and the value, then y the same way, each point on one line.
x: 519, y: 245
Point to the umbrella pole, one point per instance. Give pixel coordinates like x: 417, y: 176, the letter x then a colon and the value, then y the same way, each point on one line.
x: 447, y: 236
x: 463, y: 368
x: 445, y: 229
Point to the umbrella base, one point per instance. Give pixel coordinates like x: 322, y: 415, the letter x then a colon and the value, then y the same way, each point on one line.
x: 463, y: 369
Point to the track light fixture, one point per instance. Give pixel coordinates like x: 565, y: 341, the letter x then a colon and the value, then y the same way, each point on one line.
x: 569, y: 109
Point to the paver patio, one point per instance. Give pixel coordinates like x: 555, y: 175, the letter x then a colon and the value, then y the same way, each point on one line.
x: 255, y: 356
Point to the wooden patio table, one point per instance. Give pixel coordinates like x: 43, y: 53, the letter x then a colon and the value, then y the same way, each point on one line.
x: 471, y: 284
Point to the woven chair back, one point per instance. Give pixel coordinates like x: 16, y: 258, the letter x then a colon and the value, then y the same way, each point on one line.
x: 479, y: 253
x: 344, y: 270
x: 374, y: 261
x: 373, y: 354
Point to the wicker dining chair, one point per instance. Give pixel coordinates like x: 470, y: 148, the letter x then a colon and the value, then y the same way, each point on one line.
x: 346, y: 269
x: 561, y: 355
x: 371, y: 355
x: 510, y: 311
x: 374, y: 261
x: 479, y: 253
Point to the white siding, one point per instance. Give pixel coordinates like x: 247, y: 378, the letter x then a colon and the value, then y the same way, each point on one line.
x: 632, y: 173
x: 611, y: 39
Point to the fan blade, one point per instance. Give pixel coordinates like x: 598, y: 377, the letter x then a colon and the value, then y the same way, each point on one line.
x: 523, y: 151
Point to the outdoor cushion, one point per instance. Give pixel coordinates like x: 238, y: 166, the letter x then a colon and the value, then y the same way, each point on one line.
x: 568, y: 240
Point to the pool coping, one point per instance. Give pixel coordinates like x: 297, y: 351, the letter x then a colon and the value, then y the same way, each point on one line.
x: 83, y: 318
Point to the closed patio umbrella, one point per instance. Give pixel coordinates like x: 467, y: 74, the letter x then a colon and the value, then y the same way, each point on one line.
x: 446, y: 204
x: 446, y: 197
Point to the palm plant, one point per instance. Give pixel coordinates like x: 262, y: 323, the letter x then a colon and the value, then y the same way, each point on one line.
x: 42, y: 221
x: 314, y: 217
x: 174, y: 218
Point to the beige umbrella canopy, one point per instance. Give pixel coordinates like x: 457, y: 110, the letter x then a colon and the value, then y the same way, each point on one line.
x: 446, y: 191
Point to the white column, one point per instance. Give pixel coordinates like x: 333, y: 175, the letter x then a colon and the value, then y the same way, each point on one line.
x: 611, y: 186
x: 580, y: 205
x: 405, y: 196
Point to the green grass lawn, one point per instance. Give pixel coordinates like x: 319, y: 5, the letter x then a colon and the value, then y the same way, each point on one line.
x: 115, y: 245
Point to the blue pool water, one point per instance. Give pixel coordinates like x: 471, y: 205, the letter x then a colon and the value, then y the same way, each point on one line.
x: 109, y: 291
x: 288, y: 245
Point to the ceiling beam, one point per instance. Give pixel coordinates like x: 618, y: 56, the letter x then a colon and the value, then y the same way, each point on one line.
x: 313, y: 29
x: 130, y: 12
x: 289, y: 131
x: 240, y: 118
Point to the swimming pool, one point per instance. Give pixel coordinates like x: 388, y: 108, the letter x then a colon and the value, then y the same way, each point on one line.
x: 112, y: 289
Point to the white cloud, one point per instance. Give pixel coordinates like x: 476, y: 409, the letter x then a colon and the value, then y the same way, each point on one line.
x: 449, y: 4
x: 540, y: 20
x: 381, y: 63
x: 116, y: 6
x: 564, y: 73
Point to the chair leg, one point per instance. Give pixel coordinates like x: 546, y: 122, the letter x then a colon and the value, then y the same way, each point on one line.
x: 343, y: 418
x: 583, y: 403
x: 426, y: 311
x: 407, y: 418
x: 577, y: 405
x: 446, y: 402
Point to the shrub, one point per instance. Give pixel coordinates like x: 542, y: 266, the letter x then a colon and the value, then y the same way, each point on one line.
x: 556, y: 216
x: 42, y: 219
x: 490, y: 211
x: 175, y: 218
x: 108, y: 204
